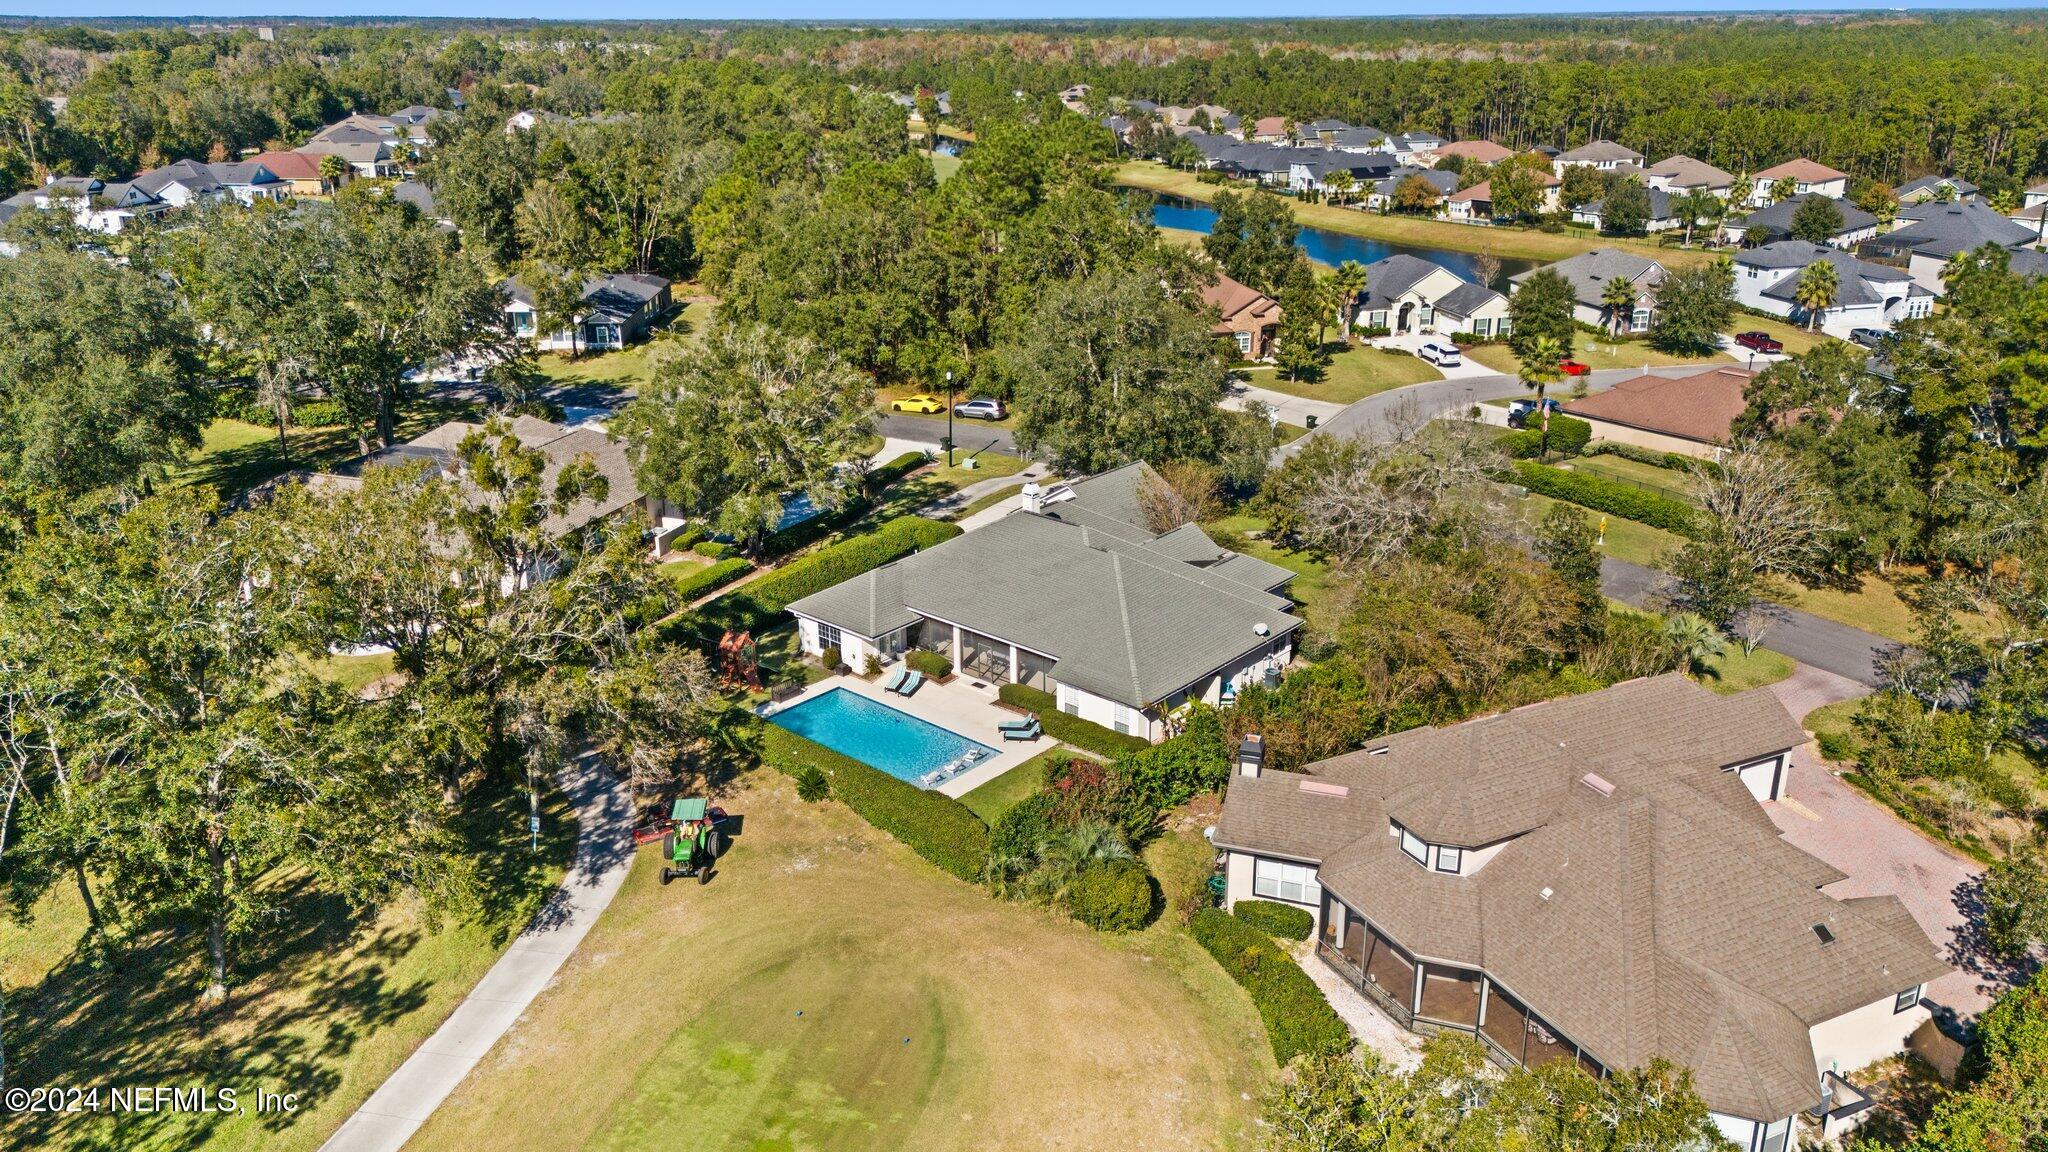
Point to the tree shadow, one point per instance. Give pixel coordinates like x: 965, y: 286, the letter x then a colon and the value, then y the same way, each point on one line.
x: 1969, y: 949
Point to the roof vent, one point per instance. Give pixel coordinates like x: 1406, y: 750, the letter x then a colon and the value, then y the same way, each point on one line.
x: 1382, y: 750
x: 1544, y: 894
x: 1598, y: 783
x: 1324, y: 788
x: 1260, y: 629
x: 1826, y: 937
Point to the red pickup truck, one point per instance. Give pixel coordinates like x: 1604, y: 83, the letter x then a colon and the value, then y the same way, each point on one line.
x: 1759, y: 342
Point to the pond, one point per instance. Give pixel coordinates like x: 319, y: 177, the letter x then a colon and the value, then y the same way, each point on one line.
x: 1333, y: 248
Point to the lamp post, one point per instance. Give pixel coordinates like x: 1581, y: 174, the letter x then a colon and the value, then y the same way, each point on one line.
x: 949, y: 418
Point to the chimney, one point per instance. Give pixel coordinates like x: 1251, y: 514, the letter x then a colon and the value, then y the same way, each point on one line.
x: 1251, y: 755
x: 1033, y: 498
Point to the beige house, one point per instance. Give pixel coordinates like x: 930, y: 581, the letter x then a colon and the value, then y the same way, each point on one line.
x: 1248, y: 317
x: 1594, y: 879
x: 1690, y: 415
x: 1406, y: 293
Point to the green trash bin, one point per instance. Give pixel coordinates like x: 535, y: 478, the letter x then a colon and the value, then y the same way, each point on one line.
x: 1311, y: 422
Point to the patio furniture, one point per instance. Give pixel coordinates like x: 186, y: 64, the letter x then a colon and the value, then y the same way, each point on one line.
x: 895, y: 682
x: 1025, y: 729
x: 911, y: 683
x: 788, y: 690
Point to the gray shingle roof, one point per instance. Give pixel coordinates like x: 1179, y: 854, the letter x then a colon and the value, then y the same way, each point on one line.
x: 1925, y: 185
x: 1660, y: 205
x: 1387, y: 278
x: 1685, y: 172
x: 1466, y: 299
x: 1597, y: 151
x: 1665, y: 919
x: 1589, y: 272
x: 1776, y: 219
x: 1961, y: 226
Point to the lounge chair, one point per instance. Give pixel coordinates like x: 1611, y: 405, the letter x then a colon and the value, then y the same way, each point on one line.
x: 911, y: 684
x: 1025, y: 729
x: 895, y: 681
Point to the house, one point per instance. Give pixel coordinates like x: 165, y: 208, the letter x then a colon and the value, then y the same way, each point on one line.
x: 1266, y: 163
x: 1663, y: 214
x: 2034, y: 210
x: 94, y: 204
x: 184, y: 183
x: 1473, y: 151
x: 411, y: 122
x: 1593, y: 879
x: 1247, y: 316
x: 1691, y: 415
x: 1776, y: 222
x: 1474, y: 205
x: 1938, y: 232
x: 1312, y: 172
x: 616, y: 310
x: 300, y: 171
x: 1807, y: 176
x: 421, y: 197
x: 1075, y: 97
x: 1071, y: 595
x: 1604, y: 155
x: 1589, y: 273
x: 1681, y: 174
x: 367, y: 151
x: 1270, y: 129
x: 1921, y: 189
x: 1416, y: 147
x: 1363, y: 139
x: 1316, y: 133
x: 1381, y: 197
x: 1867, y: 295
x: 1406, y: 293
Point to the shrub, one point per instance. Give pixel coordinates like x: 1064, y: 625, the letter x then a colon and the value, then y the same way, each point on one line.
x: 1568, y: 437
x: 1369, y: 333
x: 831, y: 658
x: 1275, y: 919
x: 1839, y: 747
x: 711, y: 576
x: 1017, y: 833
x: 936, y: 827
x: 930, y: 663
x: 1069, y: 729
x: 847, y: 559
x: 1604, y: 495
x: 1182, y: 863
x: 687, y: 538
x: 319, y: 414
x: 1676, y: 461
x: 811, y: 785
x: 1172, y: 773
x: 1298, y: 1019
x: 715, y: 549
x: 1112, y: 896
x: 873, y: 666
x: 897, y: 469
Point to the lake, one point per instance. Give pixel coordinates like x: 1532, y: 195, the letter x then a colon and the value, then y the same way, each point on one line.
x: 1333, y: 248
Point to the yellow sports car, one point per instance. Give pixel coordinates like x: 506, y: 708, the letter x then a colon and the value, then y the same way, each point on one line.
x: 918, y: 403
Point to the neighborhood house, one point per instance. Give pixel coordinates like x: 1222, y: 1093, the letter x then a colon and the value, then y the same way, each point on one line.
x: 1866, y: 295
x: 1690, y: 414
x: 1406, y: 293
x: 1589, y: 273
x: 616, y: 310
x: 1249, y: 317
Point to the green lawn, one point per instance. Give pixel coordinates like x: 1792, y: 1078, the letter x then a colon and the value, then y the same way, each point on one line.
x: 329, y: 1004
x: 1311, y: 574
x: 1592, y: 352
x: 1663, y: 481
x: 353, y: 672
x: 1627, y: 540
x: 1873, y: 603
x: 1733, y: 672
x: 234, y: 457
x: 1002, y: 793
x: 989, y: 500
x: 1796, y: 340
x: 915, y: 491
x: 943, y: 166
x: 829, y: 990
x: 1353, y: 374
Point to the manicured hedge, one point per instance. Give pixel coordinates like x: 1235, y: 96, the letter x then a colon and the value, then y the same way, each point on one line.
x: 1676, y: 461
x: 1112, y: 896
x: 936, y: 827
x: 1299, y: 1020
x: 715, y: 549
x: 711, y: 576
x: 1069, y: 729
x: 1275, y: 919
x: 1609, y: 496
x: 820, y: 526
x: 849, y: 558
x: 1568, y: 437
x: 930, y: 663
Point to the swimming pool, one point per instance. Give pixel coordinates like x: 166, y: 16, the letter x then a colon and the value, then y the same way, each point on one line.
x: 879, y: 736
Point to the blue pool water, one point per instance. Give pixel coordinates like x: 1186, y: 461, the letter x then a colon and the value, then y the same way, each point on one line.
x: 1334, y: 248
x: 877, y: 735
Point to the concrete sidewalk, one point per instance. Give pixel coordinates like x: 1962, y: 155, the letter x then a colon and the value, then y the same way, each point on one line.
x: 604, y: 854
x: 1291, y: 409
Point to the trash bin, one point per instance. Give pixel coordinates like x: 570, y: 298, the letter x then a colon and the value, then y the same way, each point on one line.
x: 1311, y: 422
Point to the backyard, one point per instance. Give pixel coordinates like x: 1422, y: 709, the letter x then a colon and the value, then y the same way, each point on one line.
x: 234, y: 456
x: 829, y: 990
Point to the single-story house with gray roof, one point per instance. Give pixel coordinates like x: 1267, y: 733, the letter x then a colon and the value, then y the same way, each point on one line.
x: 1867, y: 295
x: 1588, y: 274
x: 1071, y: 595
x: 1406, y: 293
x: 1594, y: 879
x: 1936, y: 232
x: 1776, y: 222
x: 617, y: 309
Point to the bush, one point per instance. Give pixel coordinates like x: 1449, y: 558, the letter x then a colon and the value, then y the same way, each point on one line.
x: 1366, y: 333
x: 1069, y: 729
x: 897, y: 469
x: 1182, y: 863
x: 1030, y: 822
x: 715, y: 549
x: 811, y: 785
x: 1275, y: 919
x: 831, y: 658
x: 1839, y: 747
x: 1172, y: 773
x: 848, y: 558
x: 318, y: 414
x: 1604, y: 495
x: 1299, y: 1021
x: 711, y: 576
x: 872, y: 667
x: 1568, y: 437
x: 856, y: 505
x: 936, y: 827
x: 686, y: 539
x: 930, y: 663
x: 1112, y: 896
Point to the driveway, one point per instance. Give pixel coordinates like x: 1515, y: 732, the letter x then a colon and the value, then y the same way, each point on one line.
x: 1372, y: 416
x: 1292, y: 409
x: 1849, y: 653
x: 1411, y: 342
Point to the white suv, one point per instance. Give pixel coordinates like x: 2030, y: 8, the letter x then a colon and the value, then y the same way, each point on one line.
x: 1441, y: 353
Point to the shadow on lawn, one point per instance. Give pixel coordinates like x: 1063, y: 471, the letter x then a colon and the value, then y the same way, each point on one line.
x: 233, y: 470
x: 319, y: 976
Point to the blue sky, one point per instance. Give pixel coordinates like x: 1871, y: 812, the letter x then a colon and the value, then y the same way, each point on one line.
x: 903, y: 9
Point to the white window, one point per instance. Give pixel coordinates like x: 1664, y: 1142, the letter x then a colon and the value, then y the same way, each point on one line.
x: 1906, y: 999
x: 1427, y: 316
x: 1449, y: 859
x: 1640, y: 320
x: 1376, y: 320
x: 1279, y: 880
x: 1414, y: 846
x: 1481, y: 328
x: 1244, y: 344
x: 1069, y: 702
x: 1123, y: 719
x: 828, y: 635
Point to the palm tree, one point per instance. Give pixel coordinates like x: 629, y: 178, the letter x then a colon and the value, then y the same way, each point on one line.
x: 333, y: 170
x: 1539, y: 371
x: 1817, y: 290
x: 1341, y: 185
x: 1694, y: 642
x: 1349, y: 280
x: 1619, y: 298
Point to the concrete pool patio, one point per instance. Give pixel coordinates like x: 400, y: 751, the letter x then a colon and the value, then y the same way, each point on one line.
x: 959, y: 707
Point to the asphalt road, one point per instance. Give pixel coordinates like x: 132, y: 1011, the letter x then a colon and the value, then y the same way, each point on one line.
x: 1374, y: 415
x: 1809, y: 639
x: 969, y: 435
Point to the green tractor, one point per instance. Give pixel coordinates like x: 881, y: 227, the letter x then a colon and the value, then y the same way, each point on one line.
x: 693, y: 842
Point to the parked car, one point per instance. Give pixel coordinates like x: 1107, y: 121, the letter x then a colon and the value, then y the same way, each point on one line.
x: 1759, y: 342
x: 1867, y: 337
x: 1519, y: 411
x: 1441, y: 353
x: 980, y: 410
x: 922, y: 402
x: 1573, y: 368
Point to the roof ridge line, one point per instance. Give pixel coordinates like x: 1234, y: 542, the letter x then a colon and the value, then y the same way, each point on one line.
x: 1123, y: 611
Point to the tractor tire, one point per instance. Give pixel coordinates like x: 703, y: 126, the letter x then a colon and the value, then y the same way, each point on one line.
x: 713, y: 843
x: 703, y: 874
x: 666, y: 876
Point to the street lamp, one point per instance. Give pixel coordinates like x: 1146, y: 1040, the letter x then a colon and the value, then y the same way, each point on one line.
x: 949, y: 418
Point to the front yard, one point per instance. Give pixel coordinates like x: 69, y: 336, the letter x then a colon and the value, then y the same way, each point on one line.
x: 1352, y: 374
x: 828, y: 989
x: 1592, y: 351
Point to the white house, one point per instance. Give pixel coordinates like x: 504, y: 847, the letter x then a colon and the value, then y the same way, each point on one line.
x: 616, y: 310
x: 1682, y: 173
x: 1934, y: 232
x: 1589, y: 273
x: 1071, y: 595
x: 1776, y: 220
x: 1663, y: 215
x: 1807, y: 176
x: 94, y: 205
x: 1604, y: 155
x: 1866, y: 296
x: 1406, y: 293
x: 1594, y: 879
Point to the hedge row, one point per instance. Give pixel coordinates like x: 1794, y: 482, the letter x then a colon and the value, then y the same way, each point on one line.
x: 236, y: 404
x: 711, y: 576
x: 849, y: 558
x: 1275, y: 919
x: 1676, y: 461
x: 1568, y: 437
x: 1299, y: 1020
x: 1609, y: 496
x: 820, y: 526
x: 929, y: 663
x: 936, y: 827
x: 1069, y: 729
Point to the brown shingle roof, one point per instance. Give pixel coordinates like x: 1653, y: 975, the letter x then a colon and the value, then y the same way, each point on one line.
x: 1811, y: 171
x: 1699, y: 407
x: 290, y: 165
x: 1478, y: 151
x: 1230, y: 298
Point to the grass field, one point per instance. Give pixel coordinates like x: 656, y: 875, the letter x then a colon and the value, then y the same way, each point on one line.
x: 330, y: 1006
x: 1733, y: 672
x: 1312, y: 576
x: 1508, y: 243
x: 828, y: 990
x: 943, y: 166
x: 1650, y: 477
x: 1595, y: 354
x: 1353, y: 374
x: 989, y: 500
x: 234, y: 457
x: 1625, y: 539
x: 1874, y: 603
x: 1002, y: 793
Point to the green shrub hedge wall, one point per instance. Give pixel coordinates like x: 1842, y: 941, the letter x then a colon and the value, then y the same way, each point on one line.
x: 715, y: 549
x: 1604, y: 495
x: 1299, y: 1020
x: 1275, y: 919
x: 936, y: 827
x: 711, y: 576
x: 1676, y: 461
x: 930, y: 663
x: 1568, y: 437
x: 1069, y: 729
x: 856, y: 506
x: 849, y: 558
x: 1112, y: 896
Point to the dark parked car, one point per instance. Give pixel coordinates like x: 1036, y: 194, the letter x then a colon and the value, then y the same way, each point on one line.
x: 1759, y: 342
x: 1868, y: 337
x: 980, y: 410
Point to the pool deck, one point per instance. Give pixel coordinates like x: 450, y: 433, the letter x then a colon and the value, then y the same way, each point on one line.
x: 958, y: 707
